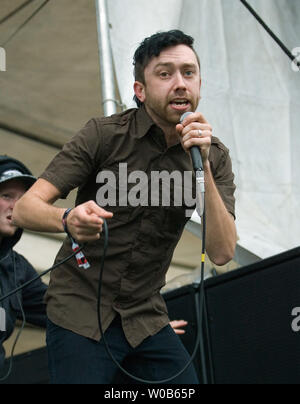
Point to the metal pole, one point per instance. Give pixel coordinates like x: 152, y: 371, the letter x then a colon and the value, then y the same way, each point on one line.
x: 106, y: 61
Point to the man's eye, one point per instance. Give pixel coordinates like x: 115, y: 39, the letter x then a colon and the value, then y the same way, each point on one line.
x: 164, y: 74
x: 5, y: 196
x: 189, y: 73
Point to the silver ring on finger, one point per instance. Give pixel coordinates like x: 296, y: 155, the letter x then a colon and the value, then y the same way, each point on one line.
x: 200, y: 132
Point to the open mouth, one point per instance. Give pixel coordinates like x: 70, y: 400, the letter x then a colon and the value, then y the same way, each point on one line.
x: 180, y: 104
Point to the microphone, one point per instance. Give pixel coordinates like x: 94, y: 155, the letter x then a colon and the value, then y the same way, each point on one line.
x: 198, y: 167
x: 194, y: 150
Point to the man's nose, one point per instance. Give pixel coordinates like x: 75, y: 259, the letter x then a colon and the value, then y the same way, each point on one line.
x: 12, y: 202
x: 179, y: 81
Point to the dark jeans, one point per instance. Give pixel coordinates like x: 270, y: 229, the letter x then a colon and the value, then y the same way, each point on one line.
x: 74, y: 359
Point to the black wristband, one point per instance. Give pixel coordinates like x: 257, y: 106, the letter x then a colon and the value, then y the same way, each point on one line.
x: 64, y: 221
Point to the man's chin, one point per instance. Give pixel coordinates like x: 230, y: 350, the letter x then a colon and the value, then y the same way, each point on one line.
x: 175, y: 114
x: 9, y: 232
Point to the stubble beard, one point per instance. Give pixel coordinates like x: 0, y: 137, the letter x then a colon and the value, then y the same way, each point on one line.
x: 162, y: 114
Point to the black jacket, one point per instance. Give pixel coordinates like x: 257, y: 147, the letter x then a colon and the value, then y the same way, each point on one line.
x: 14, y: 271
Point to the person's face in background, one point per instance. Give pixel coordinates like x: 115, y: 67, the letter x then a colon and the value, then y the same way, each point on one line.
x: 10, y: 193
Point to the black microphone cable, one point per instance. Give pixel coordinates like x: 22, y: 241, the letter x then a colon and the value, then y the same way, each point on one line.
x: 199, y: 310
x: 10, y: 366
x: 24, y: 285
x: 18, y: 289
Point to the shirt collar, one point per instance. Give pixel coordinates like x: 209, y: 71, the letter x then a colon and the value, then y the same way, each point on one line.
x: 143, y: 123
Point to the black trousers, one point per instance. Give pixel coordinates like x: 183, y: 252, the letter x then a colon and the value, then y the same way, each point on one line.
x: 74, y: 359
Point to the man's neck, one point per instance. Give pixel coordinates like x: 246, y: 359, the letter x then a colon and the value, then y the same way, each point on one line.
x: 171, y: 136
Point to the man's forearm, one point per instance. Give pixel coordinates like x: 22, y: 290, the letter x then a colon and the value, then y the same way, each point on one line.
x: 220, y: 227
x: 35, y: 210
x: 34, y: 214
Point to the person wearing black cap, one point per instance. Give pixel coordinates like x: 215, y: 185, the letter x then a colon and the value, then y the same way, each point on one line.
x: 15, y: 270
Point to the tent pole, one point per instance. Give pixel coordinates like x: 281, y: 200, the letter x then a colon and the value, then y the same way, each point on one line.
x: 105, y: 58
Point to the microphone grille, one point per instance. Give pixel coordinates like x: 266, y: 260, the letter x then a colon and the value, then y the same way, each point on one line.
x: 183, y: 116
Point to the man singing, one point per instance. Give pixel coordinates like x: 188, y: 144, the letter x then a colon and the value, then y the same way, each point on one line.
x: 142, y: 238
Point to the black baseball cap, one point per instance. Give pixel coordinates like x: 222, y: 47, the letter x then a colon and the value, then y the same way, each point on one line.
x: 11, y: 169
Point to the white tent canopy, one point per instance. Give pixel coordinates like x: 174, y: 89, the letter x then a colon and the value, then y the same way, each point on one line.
x: 250, y: 95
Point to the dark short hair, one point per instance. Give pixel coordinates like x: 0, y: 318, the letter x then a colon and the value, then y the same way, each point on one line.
x: 153, y: 46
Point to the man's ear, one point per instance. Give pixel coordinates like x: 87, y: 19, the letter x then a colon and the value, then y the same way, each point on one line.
x: 139, y: 90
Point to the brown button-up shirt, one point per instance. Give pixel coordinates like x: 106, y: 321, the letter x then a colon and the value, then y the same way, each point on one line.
x: 104, y: 160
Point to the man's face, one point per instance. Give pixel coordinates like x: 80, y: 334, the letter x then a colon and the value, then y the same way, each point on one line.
x: 10, y: 193
x: 172, y: 85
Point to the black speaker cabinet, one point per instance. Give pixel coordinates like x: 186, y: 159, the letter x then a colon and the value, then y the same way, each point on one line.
x: 248, y: 335
x: 182, y: 305
x: 250, y: 330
